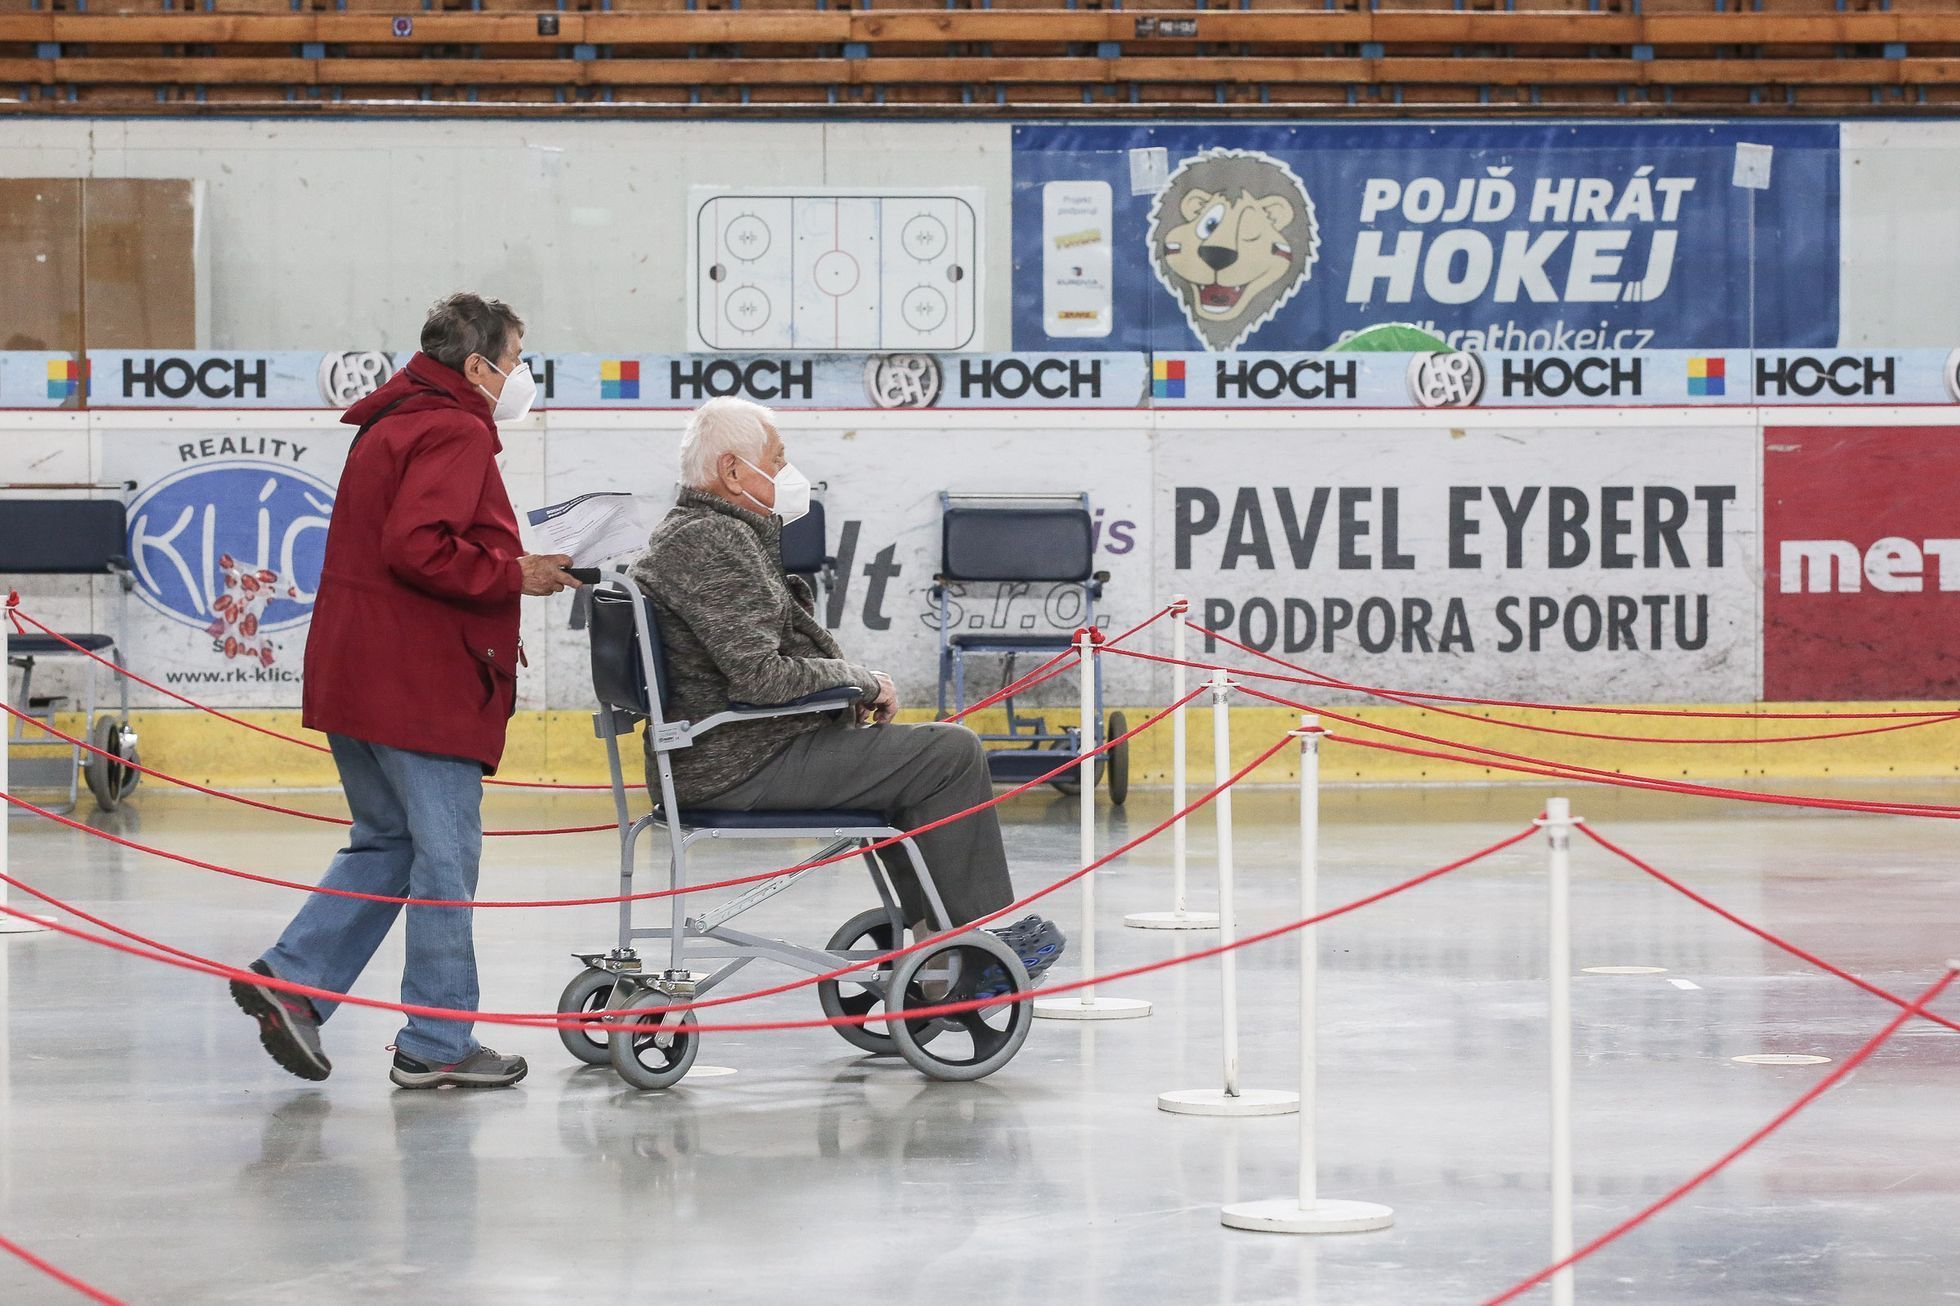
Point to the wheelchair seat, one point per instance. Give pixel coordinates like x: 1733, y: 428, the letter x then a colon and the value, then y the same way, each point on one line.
x: 48, y: 645
x: 710, y: 818
x: 1011, y: 643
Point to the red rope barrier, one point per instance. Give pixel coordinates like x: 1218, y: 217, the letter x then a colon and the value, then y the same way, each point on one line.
x: 557, y: 1020
x: 1053, y: 667
x: 1587, y: 775
x: 59, y: 1275
x: 276, y: 882
x: 1323, y: 680
x: 1499, y: 760
x: 1757, y: 930
x: 241, y: 799
x: 1915, y: 1008
x: 17, y: 616
x: 153, y: 950
x: 1046, y: 671
x: 1914, y: 721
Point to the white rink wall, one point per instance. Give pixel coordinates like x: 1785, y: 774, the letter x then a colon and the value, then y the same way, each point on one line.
x: 1589, y: 554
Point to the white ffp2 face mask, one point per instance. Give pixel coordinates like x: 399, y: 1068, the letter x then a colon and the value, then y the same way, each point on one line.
x: 520, y: 392
x: 792, y: 491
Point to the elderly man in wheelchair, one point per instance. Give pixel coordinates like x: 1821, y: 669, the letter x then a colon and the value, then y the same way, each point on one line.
x: 757, y: 726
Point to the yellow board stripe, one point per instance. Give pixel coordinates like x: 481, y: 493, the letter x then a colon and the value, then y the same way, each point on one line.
x: 559, y: 746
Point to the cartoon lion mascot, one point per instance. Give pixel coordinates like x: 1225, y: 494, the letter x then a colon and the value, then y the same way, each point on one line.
x: 1232, y: 236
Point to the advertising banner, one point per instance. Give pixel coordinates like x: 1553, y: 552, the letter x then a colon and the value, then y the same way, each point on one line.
x: 1861, y: 563
x: 1060, y: 380
x: 1524, y: 237
x: 1601, y: 565
x: 227, y: 529
x: 253, y: 379
x: 35, y: 378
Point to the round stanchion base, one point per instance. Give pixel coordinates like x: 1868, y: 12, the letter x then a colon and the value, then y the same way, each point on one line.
x: 1172, y: 920
x: 1094, y: 1009
x: 24, y: 925
x: 1286, y: 1215
x: 1217, y: 1102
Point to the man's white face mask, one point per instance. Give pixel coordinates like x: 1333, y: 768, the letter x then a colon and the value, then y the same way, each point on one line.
x: 792, y: 491
x: 520, y: 391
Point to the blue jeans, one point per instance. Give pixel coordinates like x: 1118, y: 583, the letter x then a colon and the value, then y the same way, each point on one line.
x: 418, y: 833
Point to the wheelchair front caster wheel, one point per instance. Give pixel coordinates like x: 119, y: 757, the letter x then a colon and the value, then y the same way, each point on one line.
x: 965, y: 1044
x: 590, y: 990
x: 653, y: 1058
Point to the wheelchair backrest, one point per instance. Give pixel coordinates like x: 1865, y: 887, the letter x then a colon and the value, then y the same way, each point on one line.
x: 62, y: 537
x: 619, y: 675
x: 1034, y: 544
x: 805, y: 547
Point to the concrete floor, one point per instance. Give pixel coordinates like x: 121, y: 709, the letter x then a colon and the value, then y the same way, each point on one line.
x: 149, y: 1146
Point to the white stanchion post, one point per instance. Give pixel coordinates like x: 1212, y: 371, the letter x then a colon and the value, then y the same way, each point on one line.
x: 8, y: 924
x: 1179, y: 917
x: 1307, y: 1211
x: 1231, y: 1100
x: 1085, y: 1005
x: 1558, y: 822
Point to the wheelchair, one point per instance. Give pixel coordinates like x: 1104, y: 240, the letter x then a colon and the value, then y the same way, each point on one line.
x: 630, y: 682
x: 1018, y: 541
x: 71, y: 537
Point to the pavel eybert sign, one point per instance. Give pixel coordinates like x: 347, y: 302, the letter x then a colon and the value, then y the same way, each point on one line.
x: 1609, y: 564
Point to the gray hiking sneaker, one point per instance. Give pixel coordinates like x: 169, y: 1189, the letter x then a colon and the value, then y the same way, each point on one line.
x: 287, y: 1025
x: 480, y: 1069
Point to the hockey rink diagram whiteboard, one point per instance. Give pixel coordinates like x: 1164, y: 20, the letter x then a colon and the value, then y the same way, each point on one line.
x: 834, y: 270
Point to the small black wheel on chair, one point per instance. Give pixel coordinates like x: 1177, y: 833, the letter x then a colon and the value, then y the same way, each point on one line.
x: 590, y: 990
x: 970, y: 1044
x: 648, y: 1058
x: 108, y: 779
x: 1119, y: 759
x: 867, y: 929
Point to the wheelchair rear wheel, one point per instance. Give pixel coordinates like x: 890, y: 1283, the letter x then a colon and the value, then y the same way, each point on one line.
x: 590, y: 990
x: 108, y: 779
x: 966, y: 1045
x: 1068, y: 782
x: 650, y: 1059
x: 1118, y: 771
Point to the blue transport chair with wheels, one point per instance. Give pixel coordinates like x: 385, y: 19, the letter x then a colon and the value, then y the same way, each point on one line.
x: 71, y: 537
x: 629, y: 678
x: 1018, y: 541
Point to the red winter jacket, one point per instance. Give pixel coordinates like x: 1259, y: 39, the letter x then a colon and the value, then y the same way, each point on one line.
x: 414, y: 638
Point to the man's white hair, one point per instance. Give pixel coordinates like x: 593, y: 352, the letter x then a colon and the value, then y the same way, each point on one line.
x: 722, y: 425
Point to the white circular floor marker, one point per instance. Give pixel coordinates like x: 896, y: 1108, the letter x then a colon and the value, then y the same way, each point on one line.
x: 1172, y: 920
x: 1217, y: 1102
x: 1094, y: 1009
x: 1782, y: 1059
x: 1286, y: 1215
x: 1624, y: 970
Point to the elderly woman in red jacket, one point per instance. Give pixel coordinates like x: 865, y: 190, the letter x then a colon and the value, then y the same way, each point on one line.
x: 411, y: 672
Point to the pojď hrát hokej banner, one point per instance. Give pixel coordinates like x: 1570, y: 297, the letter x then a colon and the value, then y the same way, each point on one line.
x: 1520, y: 237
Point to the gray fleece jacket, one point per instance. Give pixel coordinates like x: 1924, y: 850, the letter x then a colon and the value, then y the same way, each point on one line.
x: 736, y: 630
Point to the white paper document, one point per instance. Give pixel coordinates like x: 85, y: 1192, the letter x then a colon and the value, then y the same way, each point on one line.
x: 593, y: 527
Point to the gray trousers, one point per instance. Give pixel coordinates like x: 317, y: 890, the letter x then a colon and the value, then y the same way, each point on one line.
x: 912, y: 774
